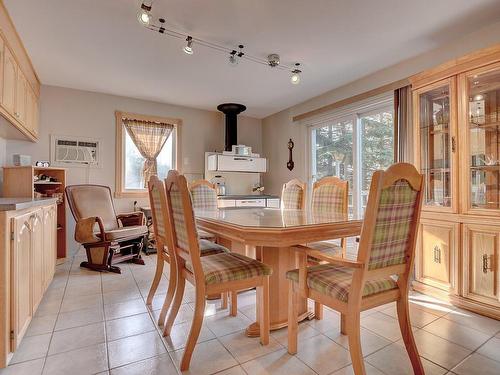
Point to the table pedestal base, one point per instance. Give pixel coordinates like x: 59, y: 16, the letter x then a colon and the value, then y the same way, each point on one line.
x: 253, y: 330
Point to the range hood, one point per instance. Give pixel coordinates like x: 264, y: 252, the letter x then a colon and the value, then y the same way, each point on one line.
x: 231, y: 110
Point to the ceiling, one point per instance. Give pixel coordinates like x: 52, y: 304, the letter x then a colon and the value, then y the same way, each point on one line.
x: 98, y: 45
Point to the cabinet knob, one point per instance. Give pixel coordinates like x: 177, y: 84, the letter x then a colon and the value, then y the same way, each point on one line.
x: 437, y: 254
x: 486, y: 263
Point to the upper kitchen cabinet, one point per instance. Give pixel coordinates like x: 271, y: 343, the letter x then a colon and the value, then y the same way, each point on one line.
x: 235, y: 163
x: 19, y: 85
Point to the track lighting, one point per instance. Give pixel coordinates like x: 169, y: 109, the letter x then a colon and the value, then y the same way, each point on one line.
x: 144, y: 14
x: 295, y: 78
x: 189, y: 47
x: 234, y: 55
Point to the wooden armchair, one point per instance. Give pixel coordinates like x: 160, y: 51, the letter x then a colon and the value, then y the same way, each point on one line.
x: 293, y: 195
x: 108, y: 238
x: 219, y: 273
x: 380, y: 275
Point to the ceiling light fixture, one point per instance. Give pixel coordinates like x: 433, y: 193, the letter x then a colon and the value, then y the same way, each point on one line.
x: 273, y: 60
x: 295, y: 78
x: 189, y: 47
x: 144, y: 14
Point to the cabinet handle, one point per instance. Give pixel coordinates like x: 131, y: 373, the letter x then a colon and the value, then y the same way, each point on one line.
x: 486, y: 263
x: 437, y: 254
x: 453, y: 144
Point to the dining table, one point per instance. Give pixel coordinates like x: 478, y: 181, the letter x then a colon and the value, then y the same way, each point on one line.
x: 270, y: 235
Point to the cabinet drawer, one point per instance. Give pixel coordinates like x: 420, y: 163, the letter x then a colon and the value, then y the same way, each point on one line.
x: 436, y: 254
x: 251, y: 203
x: 480, y: 255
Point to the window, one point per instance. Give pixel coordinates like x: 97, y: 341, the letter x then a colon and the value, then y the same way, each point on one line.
x: 351, y: 145
x: 132, y: 170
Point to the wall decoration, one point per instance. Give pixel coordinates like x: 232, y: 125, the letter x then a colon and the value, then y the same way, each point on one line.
x: 290, y: 163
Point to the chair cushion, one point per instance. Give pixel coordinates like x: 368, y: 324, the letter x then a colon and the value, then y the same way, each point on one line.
x: 205, y: 235
x: 327, y: 248
x: 224, y: 267
x: 334, y: 281
x: 211, y: 248
x: 124, y: 233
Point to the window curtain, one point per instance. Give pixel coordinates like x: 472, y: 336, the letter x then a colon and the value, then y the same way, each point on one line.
x: 403, y: 125
x: 149, y: 138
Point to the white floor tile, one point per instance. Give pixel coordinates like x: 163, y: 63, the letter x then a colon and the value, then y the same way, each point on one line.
x: 161, y: 365
x: 75, y: 338
x: 129, y: 326
x: 33, y: 347
x: 85, y: 361
x: 322, y: 354
x: 477, y: 364
x: 245, y: 348
x: 277, y: 363
x: 134, y: 348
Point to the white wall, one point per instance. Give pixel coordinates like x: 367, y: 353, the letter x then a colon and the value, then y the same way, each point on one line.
x: 278, y: 128
x: 81, y: 113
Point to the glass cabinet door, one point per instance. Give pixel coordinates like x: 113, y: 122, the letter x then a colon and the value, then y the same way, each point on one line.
x: 434, y: 126
x: 483, y: 101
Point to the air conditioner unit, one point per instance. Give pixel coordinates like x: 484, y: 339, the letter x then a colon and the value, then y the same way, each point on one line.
x: 75, y: 151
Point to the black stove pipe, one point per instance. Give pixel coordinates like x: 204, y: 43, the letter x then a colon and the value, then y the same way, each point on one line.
x: 231, y: 110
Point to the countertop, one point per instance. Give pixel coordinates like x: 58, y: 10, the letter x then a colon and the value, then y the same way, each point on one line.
x: 248, y: 197
x: 13, y: 204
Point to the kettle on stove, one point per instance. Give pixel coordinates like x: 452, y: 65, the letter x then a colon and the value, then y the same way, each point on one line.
x: 220, y: 184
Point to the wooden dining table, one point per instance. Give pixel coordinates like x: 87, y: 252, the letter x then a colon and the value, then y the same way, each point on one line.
x: 269, y: 235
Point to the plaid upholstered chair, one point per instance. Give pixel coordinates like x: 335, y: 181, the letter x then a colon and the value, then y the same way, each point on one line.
x: 218, y: 273
x: 293, y: 195
x: 381, y: 273
x: 161, y: 223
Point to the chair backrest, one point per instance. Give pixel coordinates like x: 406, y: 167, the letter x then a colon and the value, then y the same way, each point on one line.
x: 388, y: 236
x: 92, y: 200
x: 158, y: 204
x: 203, y: 195
x: 184, y: 237
x: 293, y: 195
x: 330, y: 194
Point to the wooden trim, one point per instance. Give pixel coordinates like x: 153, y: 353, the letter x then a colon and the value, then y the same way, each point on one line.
x: 120, y: 192
x: 456, y: 66
x: 195, y: 184
x: 353, y: 99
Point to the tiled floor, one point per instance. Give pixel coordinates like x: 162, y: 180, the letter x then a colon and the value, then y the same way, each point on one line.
x: 92, y: 323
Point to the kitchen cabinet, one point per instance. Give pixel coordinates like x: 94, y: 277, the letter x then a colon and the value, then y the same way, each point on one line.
x: 27, y: 260
x: 273, y: 202
x: 19, y: 85
x: 9, y: 83
x: 234, y: 163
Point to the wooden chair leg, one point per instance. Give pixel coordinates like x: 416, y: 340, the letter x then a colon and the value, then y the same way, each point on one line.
x: 176, y: 304
x: 318, y: 310
x: 224, y: 298
x: 263, y: 310
x: 234, y: 303
x: 407, y: 333
x: 172, y: 285
x: 194, y: 333
x: 353, y: 333
x: 156, y: 280
x: 293, y: 324
x: 343, y: 325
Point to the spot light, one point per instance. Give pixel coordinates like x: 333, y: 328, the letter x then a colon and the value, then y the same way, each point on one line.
x: 189, y: 47
x: 144, y: 14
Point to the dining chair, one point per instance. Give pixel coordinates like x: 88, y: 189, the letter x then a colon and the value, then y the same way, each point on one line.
x: 204, y: 197
x: 161, y: 223
x: 218, y: 273
x: 293, y: 195
x: 381, y: 273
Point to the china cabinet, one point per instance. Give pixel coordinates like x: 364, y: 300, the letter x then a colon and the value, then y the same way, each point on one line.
x: 456, y: 113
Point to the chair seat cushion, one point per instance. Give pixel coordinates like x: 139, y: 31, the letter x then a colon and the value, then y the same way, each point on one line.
x: 224, y: 267
x: 334, y: 281
x: 124, y: 233
x: 327, y: 248
x: 205, y: 235
x: 211, y: 248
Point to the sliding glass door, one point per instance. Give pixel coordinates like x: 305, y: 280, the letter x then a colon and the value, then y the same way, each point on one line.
x: 352, y: 147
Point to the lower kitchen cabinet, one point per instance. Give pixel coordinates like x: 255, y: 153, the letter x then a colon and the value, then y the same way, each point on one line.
x: 26, y: 269
x: 436, y: 258
x: 480, y: 263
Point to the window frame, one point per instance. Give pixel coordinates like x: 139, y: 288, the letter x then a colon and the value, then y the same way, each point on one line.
x: 353, y: 112
x: 120, y: 191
